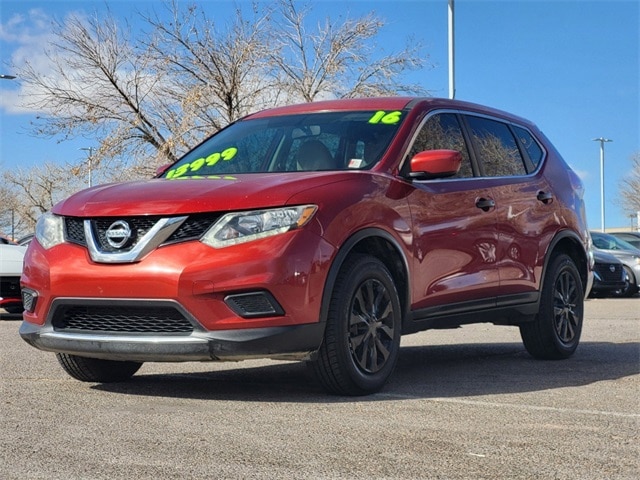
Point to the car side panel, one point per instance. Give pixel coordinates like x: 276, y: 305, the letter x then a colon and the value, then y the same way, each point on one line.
x: 525, y: 227
x: 455, y: 243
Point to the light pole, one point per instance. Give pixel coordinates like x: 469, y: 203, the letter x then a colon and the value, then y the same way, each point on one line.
x: 452, y: 51
x: 13, y: 218
x: 602, y: 141
x: 90, y: 160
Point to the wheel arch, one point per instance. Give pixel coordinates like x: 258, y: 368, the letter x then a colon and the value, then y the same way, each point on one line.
x: 569, y: 243
x: 382, y: 245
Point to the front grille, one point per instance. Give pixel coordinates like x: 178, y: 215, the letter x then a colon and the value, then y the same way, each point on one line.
x: 139, y: 227
x: 192, y: 229
x: 9, y: 287
x: 121, y: 319
x: 74, y: 230
x: 605, y: 273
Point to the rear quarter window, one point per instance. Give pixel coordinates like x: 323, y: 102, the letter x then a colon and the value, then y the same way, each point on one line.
x: 532, y: 147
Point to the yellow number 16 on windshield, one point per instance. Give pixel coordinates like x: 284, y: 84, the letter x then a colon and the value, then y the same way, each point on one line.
x: 387, y: 118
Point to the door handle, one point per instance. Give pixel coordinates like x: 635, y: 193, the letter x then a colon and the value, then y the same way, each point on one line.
x: 485, y: 204
x: 545, y: 197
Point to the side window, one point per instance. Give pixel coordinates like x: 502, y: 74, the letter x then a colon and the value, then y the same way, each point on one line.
x: 442, y: 131
x: 496, y: 149
x: 532, y: 147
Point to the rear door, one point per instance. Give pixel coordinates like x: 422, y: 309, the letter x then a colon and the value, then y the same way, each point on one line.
x: 524, y: 202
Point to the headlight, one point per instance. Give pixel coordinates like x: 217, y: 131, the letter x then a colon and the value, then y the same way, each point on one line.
x: 50, y: 230
x: 241, y: 227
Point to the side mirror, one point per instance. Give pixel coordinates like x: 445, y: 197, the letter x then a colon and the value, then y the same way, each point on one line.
x: 163, y: 168
x: 435, y: 164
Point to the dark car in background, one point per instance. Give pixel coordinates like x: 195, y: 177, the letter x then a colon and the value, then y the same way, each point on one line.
x: 609, y: 275
x: 626, y: 253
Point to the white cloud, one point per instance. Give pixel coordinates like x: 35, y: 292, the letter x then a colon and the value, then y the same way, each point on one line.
x: 27, y: 37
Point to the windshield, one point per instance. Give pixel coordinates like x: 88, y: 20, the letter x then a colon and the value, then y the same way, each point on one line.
x: 609, y: 242
x: 293, y: 143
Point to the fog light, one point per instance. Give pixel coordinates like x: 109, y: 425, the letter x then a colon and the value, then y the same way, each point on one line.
x: 29, y: 299
x: 254, y: 304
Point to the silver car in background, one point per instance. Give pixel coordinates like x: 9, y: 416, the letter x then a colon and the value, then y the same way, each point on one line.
x: 627, y: 254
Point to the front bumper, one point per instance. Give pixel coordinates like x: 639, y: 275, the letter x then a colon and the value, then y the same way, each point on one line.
x: 636, y: 273
x: 291, y: 269
x: 288, y: 342
x: 183, y: 302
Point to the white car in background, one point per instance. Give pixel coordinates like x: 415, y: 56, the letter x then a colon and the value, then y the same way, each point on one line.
x: 11, y: 257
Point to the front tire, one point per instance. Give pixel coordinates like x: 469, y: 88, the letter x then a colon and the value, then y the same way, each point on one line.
x: 362, y: 336
x: 555, y: 333
x: 97, y: 370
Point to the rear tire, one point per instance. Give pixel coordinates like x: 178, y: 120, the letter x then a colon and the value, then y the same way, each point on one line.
x: 362, y: 335
x: 555, y: 333
x: 97, y: 370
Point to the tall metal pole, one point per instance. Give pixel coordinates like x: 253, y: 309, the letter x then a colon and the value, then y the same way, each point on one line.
x: 90, y: 163
x: 13, y: 218
x: 602, y: 141
x: 452, y: 53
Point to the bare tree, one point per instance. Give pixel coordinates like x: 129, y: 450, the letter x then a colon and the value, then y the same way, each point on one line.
x: 630, y: 187
x: 8, y: 216
x: 102, y: 86
x: 337, y: 59
x: 146, y: 98
x: 217, y: 72
x: 155, y: 95
x: 30, y: 193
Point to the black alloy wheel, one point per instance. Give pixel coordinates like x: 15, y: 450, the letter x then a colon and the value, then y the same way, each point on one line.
x: 555, y: 332
x: 565, y: 302
x: 371, y: 326
x: 362, y: 336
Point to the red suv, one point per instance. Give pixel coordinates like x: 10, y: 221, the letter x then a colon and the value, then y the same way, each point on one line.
x: 318, y: 232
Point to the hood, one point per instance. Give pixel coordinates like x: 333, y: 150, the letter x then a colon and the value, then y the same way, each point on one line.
x: 194, y: 195
x: 603, y: 257
x: 621, y: 252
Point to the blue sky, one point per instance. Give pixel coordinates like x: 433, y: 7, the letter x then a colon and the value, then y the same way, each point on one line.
x: 571, y: 66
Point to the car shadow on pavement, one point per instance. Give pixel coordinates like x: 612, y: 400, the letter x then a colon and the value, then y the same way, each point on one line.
x: 441, y: 371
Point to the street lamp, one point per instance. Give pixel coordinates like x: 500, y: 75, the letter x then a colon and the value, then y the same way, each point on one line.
x: 452, y: 52
x: 13, y: 220
x: 90, y: 160
x: 602, y: 141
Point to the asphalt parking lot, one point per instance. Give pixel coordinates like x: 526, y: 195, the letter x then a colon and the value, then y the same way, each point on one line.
x: 462, y: 404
